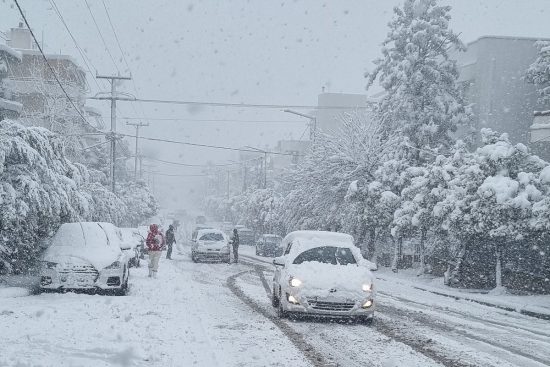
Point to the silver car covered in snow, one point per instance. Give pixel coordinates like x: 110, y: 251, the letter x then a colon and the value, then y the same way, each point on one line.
x: 323, y: 274
x: 85, y: 256
x: 210, y: 245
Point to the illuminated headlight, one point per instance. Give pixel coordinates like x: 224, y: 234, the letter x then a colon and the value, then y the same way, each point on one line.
x: 367, y: 287
x: 115, y: 265
x: 49, y: 264
x: 367, y: 304
x: 292, y: 299
x: 295, y: 282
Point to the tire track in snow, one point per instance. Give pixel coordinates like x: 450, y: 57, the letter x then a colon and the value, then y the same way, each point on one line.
x: 313, y: 356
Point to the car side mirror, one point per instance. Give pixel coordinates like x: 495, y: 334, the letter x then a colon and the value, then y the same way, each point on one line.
x: 279, y: 261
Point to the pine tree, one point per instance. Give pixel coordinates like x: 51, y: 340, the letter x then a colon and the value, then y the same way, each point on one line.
x: 423, y: 98
x: 539, y: 72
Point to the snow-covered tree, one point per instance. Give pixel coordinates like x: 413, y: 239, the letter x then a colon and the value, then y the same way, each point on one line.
x: 139, y: 201
x: 40, y: 189
x: 539, y: 72
x: 317, y: 188
x: 423, y: 98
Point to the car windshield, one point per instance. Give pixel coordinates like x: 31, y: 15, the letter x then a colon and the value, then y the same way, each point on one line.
x: 211, y: 237
x: 273, y: 240
x: 326, y: 255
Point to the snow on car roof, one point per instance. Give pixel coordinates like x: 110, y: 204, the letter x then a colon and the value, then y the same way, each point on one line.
x: 79, y: 234
x: 86, y: 241
x: 319, y: 237
x: 209, y: 230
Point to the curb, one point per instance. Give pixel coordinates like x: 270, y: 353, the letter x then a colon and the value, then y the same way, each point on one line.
x: 538, y: 315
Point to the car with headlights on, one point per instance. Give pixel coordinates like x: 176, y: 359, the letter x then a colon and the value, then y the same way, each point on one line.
x: 269, y: 245
x: 210, y: 245
x: 85, y: 256
x: 323, y: 274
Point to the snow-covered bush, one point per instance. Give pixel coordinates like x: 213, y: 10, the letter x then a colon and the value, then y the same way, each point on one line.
x: 40, y: 189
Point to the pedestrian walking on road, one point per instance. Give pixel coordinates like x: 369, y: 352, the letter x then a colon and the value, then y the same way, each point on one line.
x: 235, y: 243
x: 155, y: 242
x: 170, y: 240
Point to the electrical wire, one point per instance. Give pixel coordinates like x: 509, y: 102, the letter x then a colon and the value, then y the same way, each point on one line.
x: 87, y: 61
x: 172, y: 175
x: 202, y: 165
x: 124, y: 58
x: 207, y: 145
x: 251, y: 105
x: 215, y: 120
x: 101, y: 36
x: 50, y: 66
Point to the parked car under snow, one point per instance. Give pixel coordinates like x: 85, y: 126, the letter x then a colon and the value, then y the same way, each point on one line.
x: 269, y: 245
x: 131, y: 246
x: 85, y: 256
x: 323, y: 274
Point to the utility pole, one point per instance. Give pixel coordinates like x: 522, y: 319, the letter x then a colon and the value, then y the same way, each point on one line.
x: 137, y: 125
x: 113, y: 97
x: 265, y: 170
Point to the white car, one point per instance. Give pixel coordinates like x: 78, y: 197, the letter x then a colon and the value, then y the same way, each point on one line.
x: 210, y: 244
x: 131, y: 246
x: 85, y: 256
x: 323, y: 274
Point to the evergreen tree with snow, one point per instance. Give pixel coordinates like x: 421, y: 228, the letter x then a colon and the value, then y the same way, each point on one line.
x: 423, y: 99
x: 539, y: 72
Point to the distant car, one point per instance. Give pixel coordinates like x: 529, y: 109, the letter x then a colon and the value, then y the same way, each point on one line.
x: 246, y: 236
x: 85, y: 256
x: 198, y: 229
x: 323, y: 274
x: 131, y: 246
x: 269, y: 245
x: 210, y: 244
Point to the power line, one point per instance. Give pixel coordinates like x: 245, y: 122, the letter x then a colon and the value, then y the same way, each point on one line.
x: 208, y: 146
x: 101, y: 36
x: 171, y: 175
x: 49, y: 66
x: 79, y: 49
x: 124, y: 58
x: 250, y: 105
x: 201, y: 165
x: 215, y: 120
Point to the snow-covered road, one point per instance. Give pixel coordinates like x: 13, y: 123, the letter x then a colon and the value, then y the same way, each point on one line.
x: 220, y: 315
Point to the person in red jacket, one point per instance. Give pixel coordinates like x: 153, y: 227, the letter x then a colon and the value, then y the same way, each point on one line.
x: 155, y: 242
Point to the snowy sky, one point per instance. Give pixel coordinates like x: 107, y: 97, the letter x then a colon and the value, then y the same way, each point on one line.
x: 272, y: 52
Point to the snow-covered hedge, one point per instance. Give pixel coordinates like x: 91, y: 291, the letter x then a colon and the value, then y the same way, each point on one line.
x: 40, y: 189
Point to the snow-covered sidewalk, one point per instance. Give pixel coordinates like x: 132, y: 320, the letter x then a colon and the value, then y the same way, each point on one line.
x: 538, y: 305
x: 186, y: 317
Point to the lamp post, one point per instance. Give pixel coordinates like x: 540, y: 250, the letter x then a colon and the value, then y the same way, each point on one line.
x: 313, y: 122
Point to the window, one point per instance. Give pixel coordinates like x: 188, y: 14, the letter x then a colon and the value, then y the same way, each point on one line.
x: 211, y: 237
x: 326, y: 255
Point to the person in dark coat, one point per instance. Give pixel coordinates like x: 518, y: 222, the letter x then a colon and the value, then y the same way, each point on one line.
x: 170, y: 240
x: 235, y: 243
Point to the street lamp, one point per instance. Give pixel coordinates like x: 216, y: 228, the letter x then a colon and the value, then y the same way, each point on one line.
x: 313, y: 122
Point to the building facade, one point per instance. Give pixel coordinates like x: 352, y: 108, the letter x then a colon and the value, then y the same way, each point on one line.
x: 331, y: 108
x: 9, y: 108
x: 492, y: 71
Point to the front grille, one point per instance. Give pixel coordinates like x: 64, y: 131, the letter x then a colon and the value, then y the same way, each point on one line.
x: 79, y: 273
x: 330, y: 306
